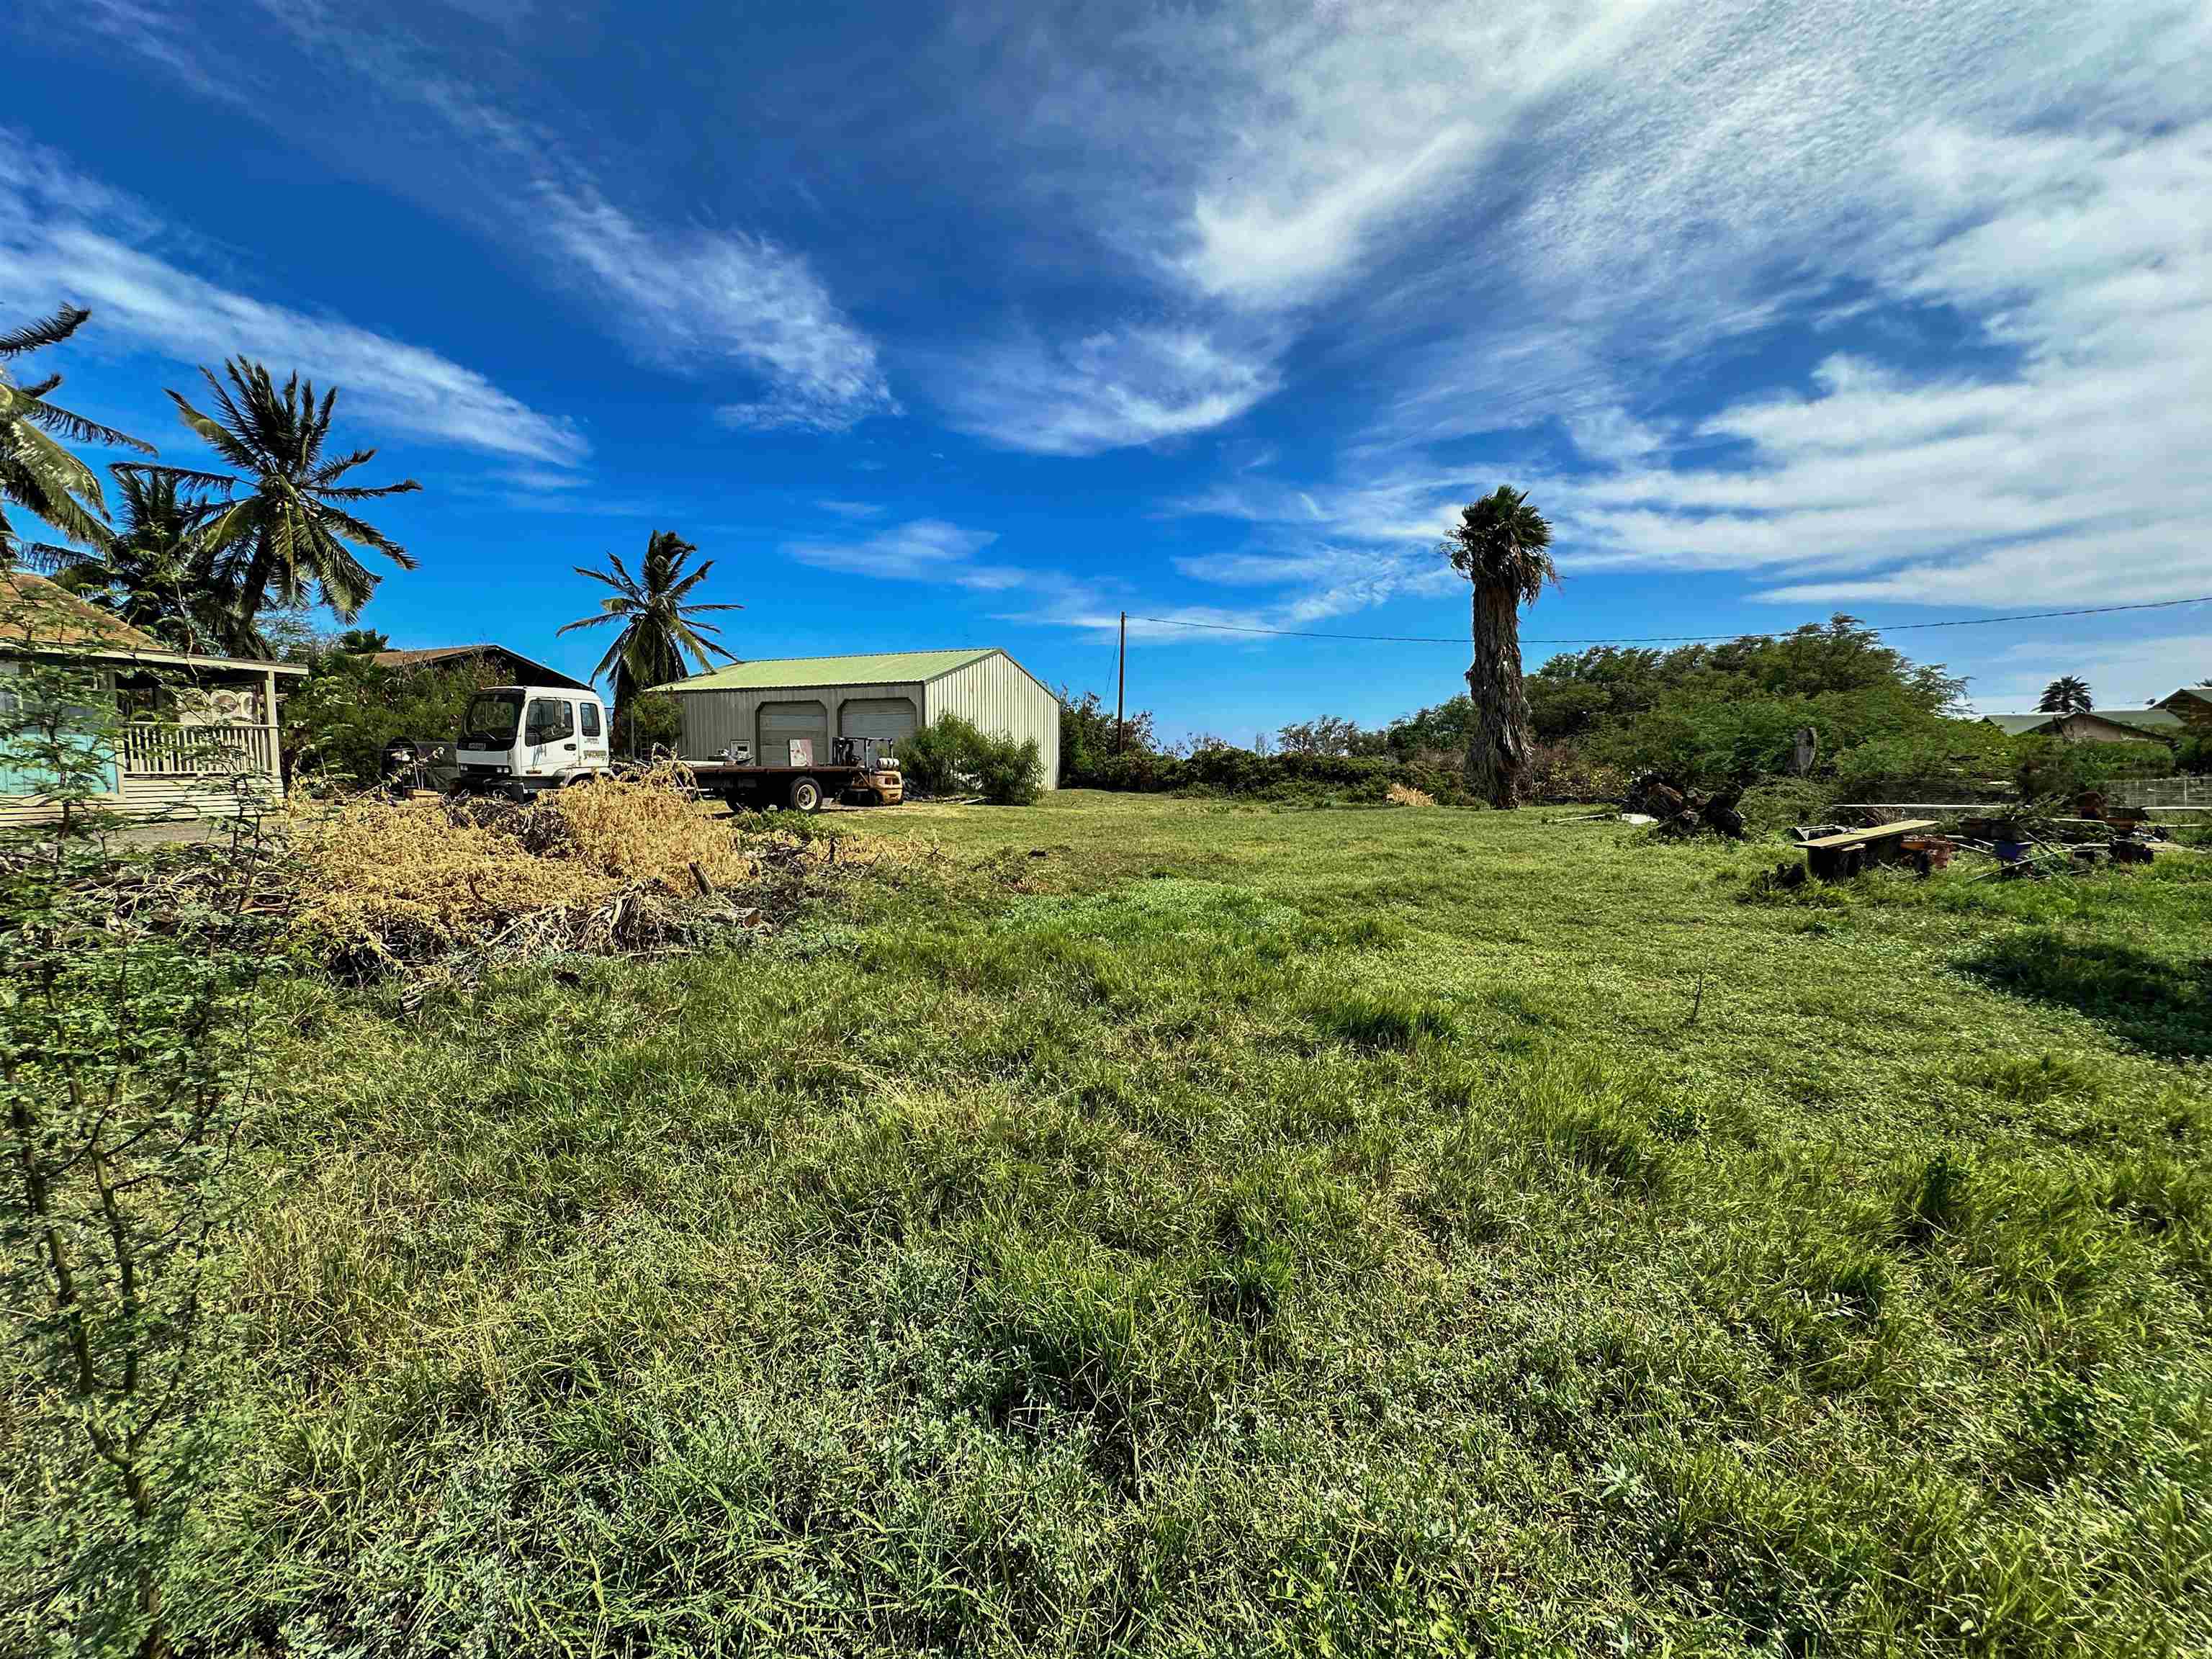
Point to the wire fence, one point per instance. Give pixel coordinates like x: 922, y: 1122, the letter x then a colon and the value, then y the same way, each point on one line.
x: 2162, y: 792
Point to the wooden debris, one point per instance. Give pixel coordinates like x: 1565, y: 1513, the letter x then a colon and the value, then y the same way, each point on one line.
x: 1833, y: 858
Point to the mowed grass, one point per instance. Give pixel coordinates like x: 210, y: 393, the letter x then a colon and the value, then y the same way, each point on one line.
x: 1167, y: 1229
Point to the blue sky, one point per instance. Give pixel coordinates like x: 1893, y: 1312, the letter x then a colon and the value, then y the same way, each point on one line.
x: 979, y: 323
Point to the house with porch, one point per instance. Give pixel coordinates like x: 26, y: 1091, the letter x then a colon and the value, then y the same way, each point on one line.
x: 174, y: 733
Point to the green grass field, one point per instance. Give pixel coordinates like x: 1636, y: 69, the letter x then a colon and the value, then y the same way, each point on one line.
x: 1154, y: 1227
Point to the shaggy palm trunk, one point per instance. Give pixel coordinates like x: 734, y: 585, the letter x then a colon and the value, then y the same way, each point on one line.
x: 1498, y: 754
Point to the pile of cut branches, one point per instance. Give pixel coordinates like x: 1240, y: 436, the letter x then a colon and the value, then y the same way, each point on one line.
x: 437, y: 889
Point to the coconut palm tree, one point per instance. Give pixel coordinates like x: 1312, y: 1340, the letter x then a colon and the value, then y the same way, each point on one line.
x: 2067, y: 694
x: 281, y: 525
x: 157, y: 573
x: 659, y: 624
x: 1500, y: 544
x: 37, y: 473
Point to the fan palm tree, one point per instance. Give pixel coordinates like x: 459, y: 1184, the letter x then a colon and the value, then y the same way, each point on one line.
x: 281, y: 524
x: 157, y: 573
x: 659, y: 624
x: 2067, y: 694
x: 1500, y: 544
x: 37, y: 473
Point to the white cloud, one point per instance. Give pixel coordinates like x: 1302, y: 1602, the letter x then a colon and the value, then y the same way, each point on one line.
x: 924, y: 549
x: 696, y: 299
x: 2077, y: 474
x: 1108, y: 390
x: 693, y: 299
x: 1327, y: 130
x: 852, y: 509
x: 60, y: 241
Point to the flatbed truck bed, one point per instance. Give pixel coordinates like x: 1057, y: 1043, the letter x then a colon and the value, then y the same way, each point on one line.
x: 802, y: 788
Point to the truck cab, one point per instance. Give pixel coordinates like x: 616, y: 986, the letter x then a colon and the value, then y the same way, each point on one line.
x: 521, y: 740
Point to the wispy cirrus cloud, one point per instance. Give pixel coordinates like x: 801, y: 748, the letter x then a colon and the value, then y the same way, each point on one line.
x: 67, y: 237
x: 709, y: 301
x: 923, y: 549
x: 1107, y: 390
x: 701, y: 300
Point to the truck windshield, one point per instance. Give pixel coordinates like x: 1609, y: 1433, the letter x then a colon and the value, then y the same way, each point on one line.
x: 491, y: 720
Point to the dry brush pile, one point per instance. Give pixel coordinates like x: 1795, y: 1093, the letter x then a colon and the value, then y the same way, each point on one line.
x: 438, y: 888
x: 629, y: 866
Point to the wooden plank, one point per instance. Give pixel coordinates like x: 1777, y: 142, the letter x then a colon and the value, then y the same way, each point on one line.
x: 1878, y: 832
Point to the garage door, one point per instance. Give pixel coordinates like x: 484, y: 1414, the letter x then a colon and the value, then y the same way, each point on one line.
x: 779, y: 722
x: 876, y: 717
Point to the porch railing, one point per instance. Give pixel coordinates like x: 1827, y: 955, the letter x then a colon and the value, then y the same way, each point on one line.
x: 197, y: 751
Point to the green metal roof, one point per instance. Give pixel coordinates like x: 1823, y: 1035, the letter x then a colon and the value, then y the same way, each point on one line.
x: 2140, y: 719
x: 2146, y: 720
x: 868, y: 668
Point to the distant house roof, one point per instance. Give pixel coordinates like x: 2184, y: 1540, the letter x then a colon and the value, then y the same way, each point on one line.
x: 2199, y: 695
x: 2144, y: 720
x: 869, y: 668
x: 2128, y: 722
x: 526, y: 668
x: 36, y: 615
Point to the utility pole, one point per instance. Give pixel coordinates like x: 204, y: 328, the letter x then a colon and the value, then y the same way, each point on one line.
x: 1120, y: 685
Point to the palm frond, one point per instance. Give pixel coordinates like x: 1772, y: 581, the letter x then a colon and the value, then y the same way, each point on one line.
x: 589, y: 622
x: 214, y: 434
x: 80, y: 430
x: 365, y: 492
x: 178, y: 474
x: 367, y: 535
x: 47, y: 331
x: 49, y: 560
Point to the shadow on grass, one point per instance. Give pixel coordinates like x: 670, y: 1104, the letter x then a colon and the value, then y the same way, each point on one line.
x: 2161, y: 1004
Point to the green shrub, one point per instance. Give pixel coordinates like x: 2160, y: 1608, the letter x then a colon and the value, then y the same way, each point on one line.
x: 1779, y: 803
x: 951, y: 755
x: 2050, y: 768
x: 1008, y: 773
x: 1563, y: 772
x: 1294, y: 779
x: 649, y: 720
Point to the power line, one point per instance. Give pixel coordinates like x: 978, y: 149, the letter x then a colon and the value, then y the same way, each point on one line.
x: 1670, y: 638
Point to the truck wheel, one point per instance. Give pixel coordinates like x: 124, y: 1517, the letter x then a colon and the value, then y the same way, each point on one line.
x: 805, y: 795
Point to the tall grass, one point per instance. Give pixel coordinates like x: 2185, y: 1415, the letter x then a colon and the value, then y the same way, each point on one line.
x: 1295, y: 1232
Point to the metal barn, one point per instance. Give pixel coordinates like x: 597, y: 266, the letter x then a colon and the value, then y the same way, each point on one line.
x: 886, y: 695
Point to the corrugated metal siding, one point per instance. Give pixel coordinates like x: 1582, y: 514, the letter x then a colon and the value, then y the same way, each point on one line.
x: 714, y: 719
x: 997, y: 695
